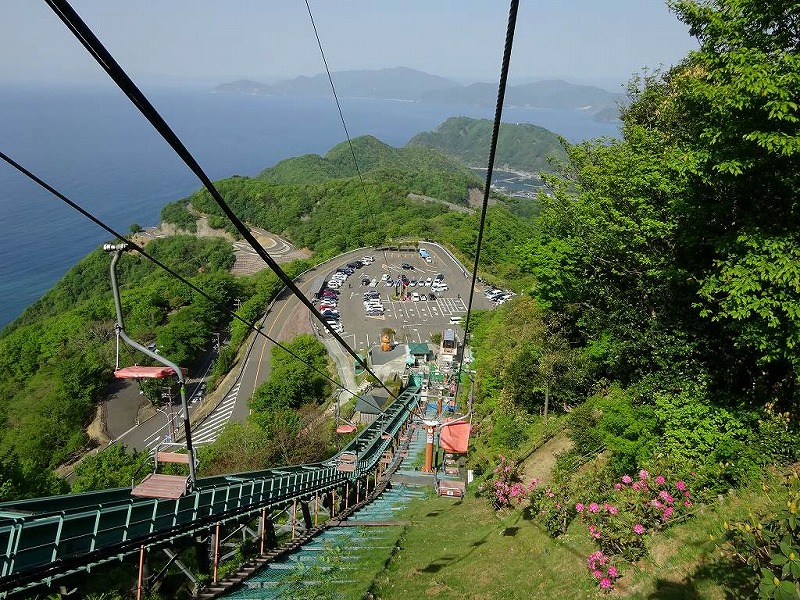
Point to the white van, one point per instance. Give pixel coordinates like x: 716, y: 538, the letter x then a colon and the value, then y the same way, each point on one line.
x: 455, y: 320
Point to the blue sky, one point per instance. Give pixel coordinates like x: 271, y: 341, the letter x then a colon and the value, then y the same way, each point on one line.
x: 208, y: 42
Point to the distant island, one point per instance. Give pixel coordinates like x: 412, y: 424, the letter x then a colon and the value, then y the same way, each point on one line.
x: 405, y: 84
x: 520, y: 146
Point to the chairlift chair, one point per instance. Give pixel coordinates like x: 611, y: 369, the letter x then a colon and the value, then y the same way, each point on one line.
x: 160, y: 485
x: 155, y: 485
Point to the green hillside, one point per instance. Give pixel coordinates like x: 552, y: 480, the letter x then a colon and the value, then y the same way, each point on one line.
x: 521, y: 146
x: 422, y: 171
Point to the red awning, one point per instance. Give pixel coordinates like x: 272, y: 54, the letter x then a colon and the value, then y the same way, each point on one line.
x: 137, y: 372
x: 455, y: 438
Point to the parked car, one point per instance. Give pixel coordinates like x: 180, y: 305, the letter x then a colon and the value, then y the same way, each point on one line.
x: 373, y: 283
x: 431, y: 296
x: 429, y: 282
x: 407, y: 266
x: 415, y: 297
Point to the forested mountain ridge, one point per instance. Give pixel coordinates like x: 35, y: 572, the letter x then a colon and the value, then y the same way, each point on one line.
x: 421, y: 170
x: 520, y: 146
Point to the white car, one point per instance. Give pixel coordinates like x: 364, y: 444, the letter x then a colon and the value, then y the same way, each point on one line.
x: 429, y: 282
x: 415, y: 297
x: 373, y: 283
x: 384, y: 277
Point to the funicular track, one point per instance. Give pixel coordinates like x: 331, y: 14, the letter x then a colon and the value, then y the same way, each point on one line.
x: 46, y: 540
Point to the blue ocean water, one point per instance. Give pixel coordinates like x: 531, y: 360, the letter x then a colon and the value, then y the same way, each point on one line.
x: 94, y: 147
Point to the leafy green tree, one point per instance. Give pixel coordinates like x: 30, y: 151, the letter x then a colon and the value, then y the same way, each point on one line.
x: 739, y: 95
x: 114, y: 467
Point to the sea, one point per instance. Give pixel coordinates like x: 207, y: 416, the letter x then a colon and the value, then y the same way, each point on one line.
x: 93, y: 146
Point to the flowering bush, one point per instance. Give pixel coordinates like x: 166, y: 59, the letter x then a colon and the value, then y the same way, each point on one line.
x: 635, y: 506
x: 602, y: 570
x: 504, y: 488
x: 553, y: 507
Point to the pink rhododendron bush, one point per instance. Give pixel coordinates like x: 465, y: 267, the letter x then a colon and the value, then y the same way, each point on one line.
x: 504, y: 488
x: 631, y: 509
x: 618, y: 517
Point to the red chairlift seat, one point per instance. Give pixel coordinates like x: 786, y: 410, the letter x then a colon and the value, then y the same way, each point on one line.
x: 159, y: 485
x: 346, y: 428
x: 347, y: 462
x: 141, y: 372
x: 451, y: 487
x: 455, y: 438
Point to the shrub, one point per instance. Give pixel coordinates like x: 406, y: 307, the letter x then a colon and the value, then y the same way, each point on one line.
x: 770, y: 545
x: 505, y: 489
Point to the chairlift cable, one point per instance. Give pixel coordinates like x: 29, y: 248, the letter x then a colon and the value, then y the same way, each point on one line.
x: 335, y: 97
x: 97, y: 50
x: 134, y: 246
x: 501, y: 92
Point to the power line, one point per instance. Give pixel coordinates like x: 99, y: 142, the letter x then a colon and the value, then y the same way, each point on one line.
x: 341, y: 114
x: 98, y: 51
x: 498, y: 114
x: 133, y: 245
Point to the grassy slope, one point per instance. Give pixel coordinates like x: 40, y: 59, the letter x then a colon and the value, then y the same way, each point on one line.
x: 464, y: 549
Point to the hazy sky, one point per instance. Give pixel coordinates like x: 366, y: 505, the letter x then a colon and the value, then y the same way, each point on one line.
x: 210, y: 42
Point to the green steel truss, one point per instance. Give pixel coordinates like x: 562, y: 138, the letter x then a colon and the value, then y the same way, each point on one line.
x: 46, y: 539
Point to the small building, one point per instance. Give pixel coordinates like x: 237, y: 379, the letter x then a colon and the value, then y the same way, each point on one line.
x: 369, y: 406
x: 419, y: 354
x: 449, y: 347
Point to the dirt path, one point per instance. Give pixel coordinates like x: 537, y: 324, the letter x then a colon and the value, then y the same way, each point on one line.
x: 540, y: 464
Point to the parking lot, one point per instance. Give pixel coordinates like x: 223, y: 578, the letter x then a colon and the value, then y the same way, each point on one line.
x: 413, y: 321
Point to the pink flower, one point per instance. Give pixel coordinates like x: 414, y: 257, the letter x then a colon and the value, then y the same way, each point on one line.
x: 617, y: 486
x: 605, y: 583
x: 597, y: 573
x: 686, y: 503
x: 656, y: 503
x: 660, y: 480
x: 549, y: 493
x: 680, y: 485
x: 593, y: 507
x: 612, y: 572
x: 626, y: 479
x: 643, y: 474
x: 579, y: 507
x: 610, y: 508
x: 667, y: 513
x: 636, y: 487
x: 663, y: 495
x: 638, y: 529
